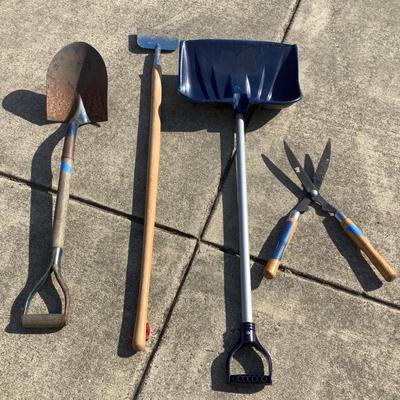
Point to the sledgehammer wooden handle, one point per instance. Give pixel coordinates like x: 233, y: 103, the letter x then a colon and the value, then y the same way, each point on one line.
x: 139, y: 336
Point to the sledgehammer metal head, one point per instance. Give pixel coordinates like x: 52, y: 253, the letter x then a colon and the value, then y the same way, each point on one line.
x: 158, y: 43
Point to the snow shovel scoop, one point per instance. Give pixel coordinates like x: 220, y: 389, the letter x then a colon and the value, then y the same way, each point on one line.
x: 157, y: 43
x: 77, y: 94
x: 243, y: 74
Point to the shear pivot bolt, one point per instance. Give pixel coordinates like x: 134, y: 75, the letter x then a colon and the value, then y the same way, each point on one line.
x: 314, y: 193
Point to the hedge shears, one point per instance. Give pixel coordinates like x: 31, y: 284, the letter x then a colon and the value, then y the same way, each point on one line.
x: 311, y: 194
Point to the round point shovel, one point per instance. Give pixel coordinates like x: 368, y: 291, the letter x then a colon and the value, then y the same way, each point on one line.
x: 77, y: 94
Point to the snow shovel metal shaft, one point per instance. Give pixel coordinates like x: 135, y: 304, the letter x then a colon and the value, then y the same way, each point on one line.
x: 77, y: 94
x: 242, y: 74
x: 158, y: 43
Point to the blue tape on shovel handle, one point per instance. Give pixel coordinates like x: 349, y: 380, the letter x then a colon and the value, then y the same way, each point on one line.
x: 66, y: 167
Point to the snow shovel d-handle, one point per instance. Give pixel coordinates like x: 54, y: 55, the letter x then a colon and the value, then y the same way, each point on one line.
x: 242, y: 74
x: 77, y: 94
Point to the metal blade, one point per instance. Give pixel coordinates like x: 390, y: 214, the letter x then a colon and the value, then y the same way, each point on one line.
x: 324, y: 204
x: 306, y: 181
x: 323, y: 165
x: 150, y: 41
x: 302, y: 206
x: 77, y: 70
x: 309, y: 165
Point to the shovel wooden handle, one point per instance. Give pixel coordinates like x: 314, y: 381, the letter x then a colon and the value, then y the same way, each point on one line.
x: 359, y: 238
x: 66, y: 170
x: 139, y: 335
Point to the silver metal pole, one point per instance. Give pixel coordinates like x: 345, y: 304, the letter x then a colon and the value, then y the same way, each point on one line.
x: 245, y: 280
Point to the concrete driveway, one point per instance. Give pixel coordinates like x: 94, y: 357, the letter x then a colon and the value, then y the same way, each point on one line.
x: 330, y: 322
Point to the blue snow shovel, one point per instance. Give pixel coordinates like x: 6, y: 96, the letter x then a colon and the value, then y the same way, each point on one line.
x: 242, y: 74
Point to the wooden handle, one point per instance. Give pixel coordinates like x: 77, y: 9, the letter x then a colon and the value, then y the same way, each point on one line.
x: 41, y: 321
x: 271, y: 268
x: 139, y: 336
x: 359, y: 238
x: 66, y: 170
x: 289, y: 229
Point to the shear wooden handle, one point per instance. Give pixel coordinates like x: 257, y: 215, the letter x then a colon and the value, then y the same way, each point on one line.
x: 359, y: 238
x: 140, y: 333
x: 66, y: 170
x: 43, y: 320
x: 289, y: 229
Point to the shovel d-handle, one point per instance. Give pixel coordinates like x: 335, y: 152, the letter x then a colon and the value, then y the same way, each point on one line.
x: 289, y: 229
x: 142, y: 328
x: 66, y: 170
x: 49, y: 321
x: 248, y: 338
x: 43, y: 321
x: 359, y: 238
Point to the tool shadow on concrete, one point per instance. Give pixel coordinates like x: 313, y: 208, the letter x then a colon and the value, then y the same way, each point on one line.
x: 364, y: 273
x: 31, y: 106
x: 28, y: 105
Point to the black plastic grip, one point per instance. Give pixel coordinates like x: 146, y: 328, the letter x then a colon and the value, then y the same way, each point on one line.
x: 248, y: 338
x: 244, y: 379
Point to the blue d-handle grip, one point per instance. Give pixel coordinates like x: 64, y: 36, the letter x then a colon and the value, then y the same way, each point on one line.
x: 289, y: 229
x: 361, y: 241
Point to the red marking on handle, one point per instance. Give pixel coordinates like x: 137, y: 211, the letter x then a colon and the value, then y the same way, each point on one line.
x: 148, y: 331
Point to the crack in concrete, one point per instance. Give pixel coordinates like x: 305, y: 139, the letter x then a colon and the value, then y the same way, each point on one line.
x: 290, y: 22
x: 308, y: 277
x: 167, y: 319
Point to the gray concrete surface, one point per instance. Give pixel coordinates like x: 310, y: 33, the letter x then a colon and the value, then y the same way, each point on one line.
x: 325, y: 344
x: 91, y: 358
x: 331, y: 324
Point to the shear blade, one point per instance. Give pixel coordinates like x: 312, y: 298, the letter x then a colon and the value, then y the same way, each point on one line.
x: 306, y: 181
x: 323, y: 165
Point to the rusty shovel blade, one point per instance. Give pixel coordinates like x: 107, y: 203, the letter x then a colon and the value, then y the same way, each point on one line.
x: 77, y: 70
